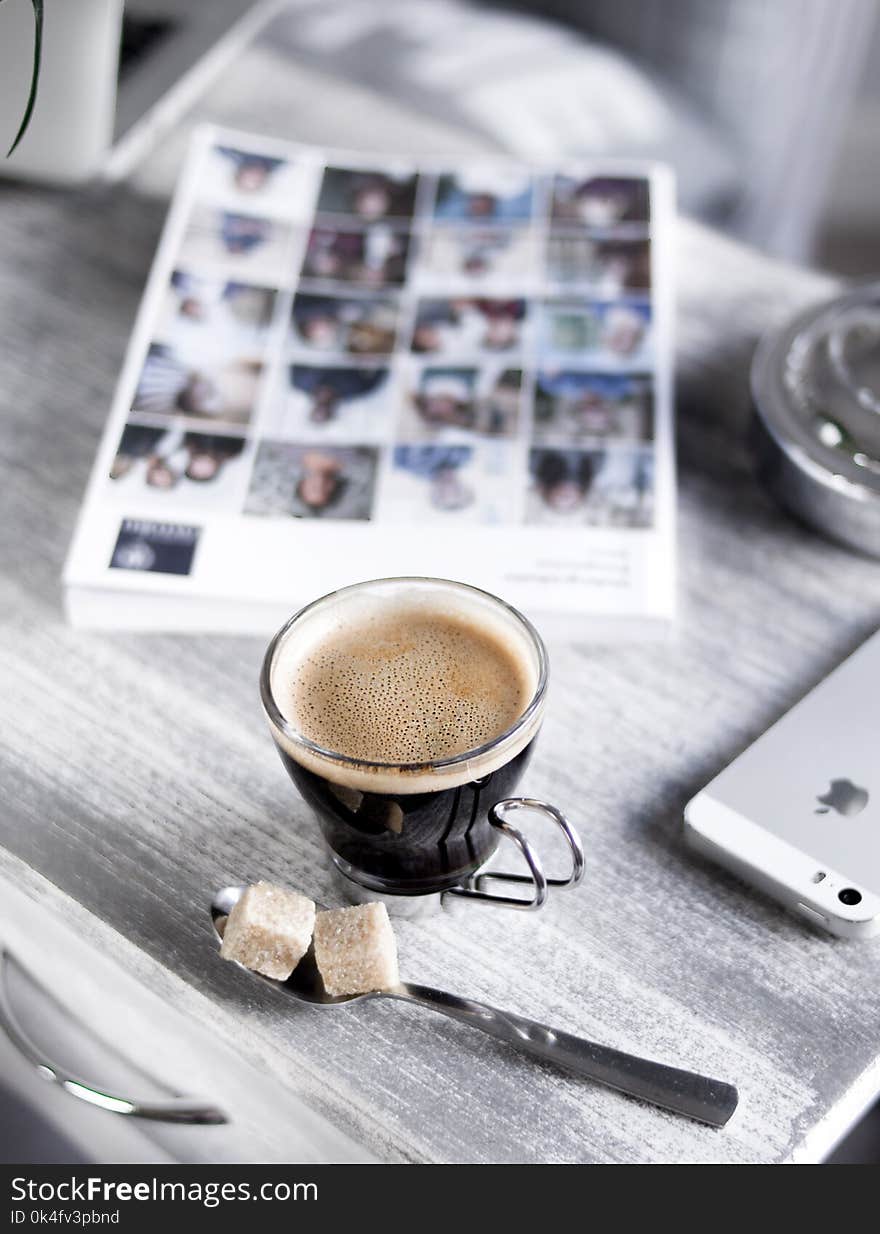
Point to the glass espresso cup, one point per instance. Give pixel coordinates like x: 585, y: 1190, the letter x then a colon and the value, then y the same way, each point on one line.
x: 415, y: 828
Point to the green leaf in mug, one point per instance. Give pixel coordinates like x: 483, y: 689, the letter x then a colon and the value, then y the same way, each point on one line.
x: 35, y: 76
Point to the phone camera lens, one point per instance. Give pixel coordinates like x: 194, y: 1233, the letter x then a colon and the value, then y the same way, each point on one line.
x: 849, y: 896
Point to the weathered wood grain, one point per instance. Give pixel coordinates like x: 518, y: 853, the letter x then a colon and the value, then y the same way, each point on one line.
x: 137, y: 776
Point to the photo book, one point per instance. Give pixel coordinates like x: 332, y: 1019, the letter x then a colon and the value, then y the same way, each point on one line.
x: 348, y: 367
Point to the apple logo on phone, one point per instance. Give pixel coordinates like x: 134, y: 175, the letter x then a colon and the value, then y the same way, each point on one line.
x: 844, y: 797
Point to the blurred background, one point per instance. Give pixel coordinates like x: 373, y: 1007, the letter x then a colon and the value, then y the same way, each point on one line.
x: 769, y: 111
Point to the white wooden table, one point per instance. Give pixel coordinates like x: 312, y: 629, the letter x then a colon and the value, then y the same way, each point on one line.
x: 137, y: 776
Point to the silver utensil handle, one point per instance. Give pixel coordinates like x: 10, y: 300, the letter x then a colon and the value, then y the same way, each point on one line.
x: 173, y: 1109
x: 699, y: 1097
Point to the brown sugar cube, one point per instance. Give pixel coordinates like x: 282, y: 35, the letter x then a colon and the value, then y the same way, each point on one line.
x: 355, y: 949
x: 269, y: 930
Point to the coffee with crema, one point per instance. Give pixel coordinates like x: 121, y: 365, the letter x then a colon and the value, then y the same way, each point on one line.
x: 403, y: 710
x: 410, y: 686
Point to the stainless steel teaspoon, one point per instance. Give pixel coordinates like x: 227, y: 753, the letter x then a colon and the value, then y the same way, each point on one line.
x: 699, y: 1097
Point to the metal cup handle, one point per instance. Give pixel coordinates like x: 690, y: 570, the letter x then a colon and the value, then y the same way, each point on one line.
x: 473, y: 887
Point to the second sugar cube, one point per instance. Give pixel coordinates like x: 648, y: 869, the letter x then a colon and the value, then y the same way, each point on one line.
x: 355, y: 949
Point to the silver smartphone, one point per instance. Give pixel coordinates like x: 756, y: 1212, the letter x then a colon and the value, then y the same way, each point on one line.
x: 798, y: 814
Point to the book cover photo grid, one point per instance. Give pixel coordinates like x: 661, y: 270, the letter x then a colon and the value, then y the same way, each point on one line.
x: 346, y: 365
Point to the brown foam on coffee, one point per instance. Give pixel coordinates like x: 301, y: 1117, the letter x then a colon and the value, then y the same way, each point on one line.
x: 406, y: 686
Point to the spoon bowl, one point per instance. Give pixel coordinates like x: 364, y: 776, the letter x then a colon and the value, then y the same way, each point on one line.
x: 305, y: 982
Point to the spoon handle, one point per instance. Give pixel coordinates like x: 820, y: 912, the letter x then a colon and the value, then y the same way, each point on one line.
x: 699, y: 1097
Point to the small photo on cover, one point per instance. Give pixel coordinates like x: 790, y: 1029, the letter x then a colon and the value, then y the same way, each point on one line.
x: 605, y: 267
x: 250, y: 247
x: 332, y: 403
x: 466, y: 325
x: 455, y: 403
x: 448, y: 484
x: 368, y: 195
x: 155, y: 547
x: 482, y: 257
x: 174, y: 384
x: 600, y: 201
x: 301, y: 481
x: 204, y: 469
x: 255, y: 181
x: 206, y: 318
x: 571, y: 405
x: 611, y: 488
x: 489, y: 195
x: 617, y: 334
x: 374, y: 256
x: 363, y: 325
